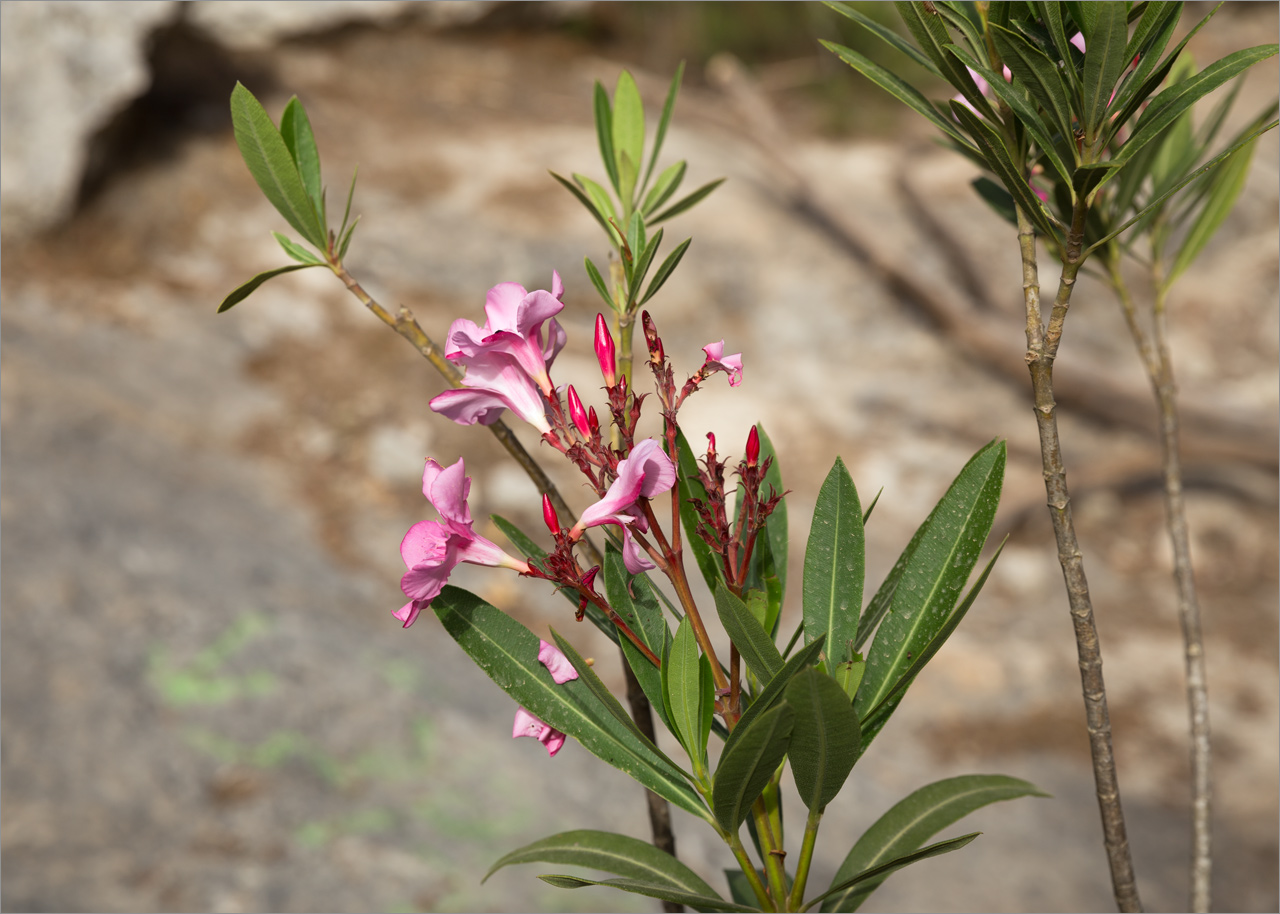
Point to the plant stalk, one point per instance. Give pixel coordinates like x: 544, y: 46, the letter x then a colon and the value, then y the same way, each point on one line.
x: 806, y: 858
x: 1042, y: 348
x: 1158, y: 360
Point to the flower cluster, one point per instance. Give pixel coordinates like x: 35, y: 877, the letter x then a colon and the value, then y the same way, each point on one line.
x: 507, y: 365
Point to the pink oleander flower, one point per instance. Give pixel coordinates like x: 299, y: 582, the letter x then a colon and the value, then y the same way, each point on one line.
x: 525, y: 723
x: 507, y: 361
x: 644, y: 474
x: 718, y: 361
x: 432, y: 549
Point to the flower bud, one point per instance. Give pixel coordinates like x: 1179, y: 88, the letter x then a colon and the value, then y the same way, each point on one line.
x: 549, y: 515
x: 590, y: 577
x: 711, y: 447
x: 656, y: 353
x: 753, y: 447
x: 592, y: 420
x: 605, y: 352
x: 578, y: 414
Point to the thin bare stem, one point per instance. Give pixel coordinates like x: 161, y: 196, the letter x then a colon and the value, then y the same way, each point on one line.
x: 1158, y: 360
x: 806, y: 857
x: 749, y: 870
x: 1042, y: 347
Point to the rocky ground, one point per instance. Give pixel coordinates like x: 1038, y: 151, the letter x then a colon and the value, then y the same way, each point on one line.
x: 206, y: 702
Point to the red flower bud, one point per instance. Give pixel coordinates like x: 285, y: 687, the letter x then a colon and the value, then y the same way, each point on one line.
x: 589, y: 577
x: 605, y: 352
x: 753, y: 447
x: 656, y: 353
x: 711, y: 447
x: 592, y: 420
x: 549, y: 515
x: 578, y: 414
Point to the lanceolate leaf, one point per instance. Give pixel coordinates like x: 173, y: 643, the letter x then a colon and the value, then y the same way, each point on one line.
x: 642, y: 264
x: 598, y: 281
x: 628, y: 135
x: 667, y: 184
x: 268, y: 159
x: 886, y: 869
x: 667, y: 107
x: 929, y: 30
x: 604, y: 133
x: 598, y: 196
x: 776, y: 687
x: 591, y: 207
x: 1104, y: 61
x: 753, y: 642
x: 295, y: 130
x: 297, y: 251
x: 934, y: 575
x: 913, y: 821
x: 666, y: 269
x: 834, y: 566
x: 682, y: 691
x: 246, y: 289
x: 612, y: 853
x: 748, y: 763
x: 1225, y: 185
x: 904, y: 92
x: 888, y: 36
x: 688, y: 202
x: 508, y: 653
x: 1039, y: 75
x: 878, y: 716
x: 652, y: 890
x: 825, y: 741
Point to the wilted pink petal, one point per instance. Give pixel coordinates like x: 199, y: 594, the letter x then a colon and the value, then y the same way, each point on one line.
x: 718, y: 361
x: 528, y: 725
x: 551, y: 657
x: 432, y: 549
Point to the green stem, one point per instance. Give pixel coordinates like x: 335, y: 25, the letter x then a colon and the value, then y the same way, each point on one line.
x: 749, y: 870
x: 806, y: 858
x: 772, y: 851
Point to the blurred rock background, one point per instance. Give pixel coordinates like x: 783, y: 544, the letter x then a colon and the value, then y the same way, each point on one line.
x: 206, y: 702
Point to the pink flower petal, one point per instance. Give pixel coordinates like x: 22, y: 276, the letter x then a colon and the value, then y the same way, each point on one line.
x: 729, y: 364
x: 527, y: 725
x: 550, y: 656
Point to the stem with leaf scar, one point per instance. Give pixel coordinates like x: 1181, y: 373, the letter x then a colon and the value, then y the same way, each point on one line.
x: 1042, y: 347
x: 1156, y: 358
x: 408, y: 327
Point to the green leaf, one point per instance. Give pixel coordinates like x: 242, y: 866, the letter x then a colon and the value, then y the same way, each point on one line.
x: 685, y: 203
x: 748, y: 762
x: 753, y: 642
x: 1038, y: 74
x: 1159, y: 201
x: 346, y: 240
x: 628, y: 136
x: 246, y: 289
x: 272, y: 167
x: 297, y: 251
x: 634, y: 599
x: 1050, y: 12
x: 346, y: 213
x: 904, y: 92
x: 1166, y: 107
x: 887, y: 869
x: 683, y: 693
x: 775, y: 687
x: 666, y: 269
x: 776, y: 528
x: 295, y: 130
x: 667, y: 107
x: 934, y: 575
x: 1225, y: 187
x: 508, y: 653
x: 927, y: 27
x: 598, y: 196
x: 667, y: 184
x: 612, y: 853
x: 999, y: 161
x: 834, y: 566
x: 1151, y: 72
x: 690, y: 488
x: 888, y: 36
x: 878, y: 716
x: 913, y: 821
x: 825, y: 740
x: 598, y: 281
x: 636, y: 244
x: 591, y: 207
x: 604, y: 133
x: 849, y: 675
x: 696, y: 901
x: 996, y: 197
x: 1104, y: 61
